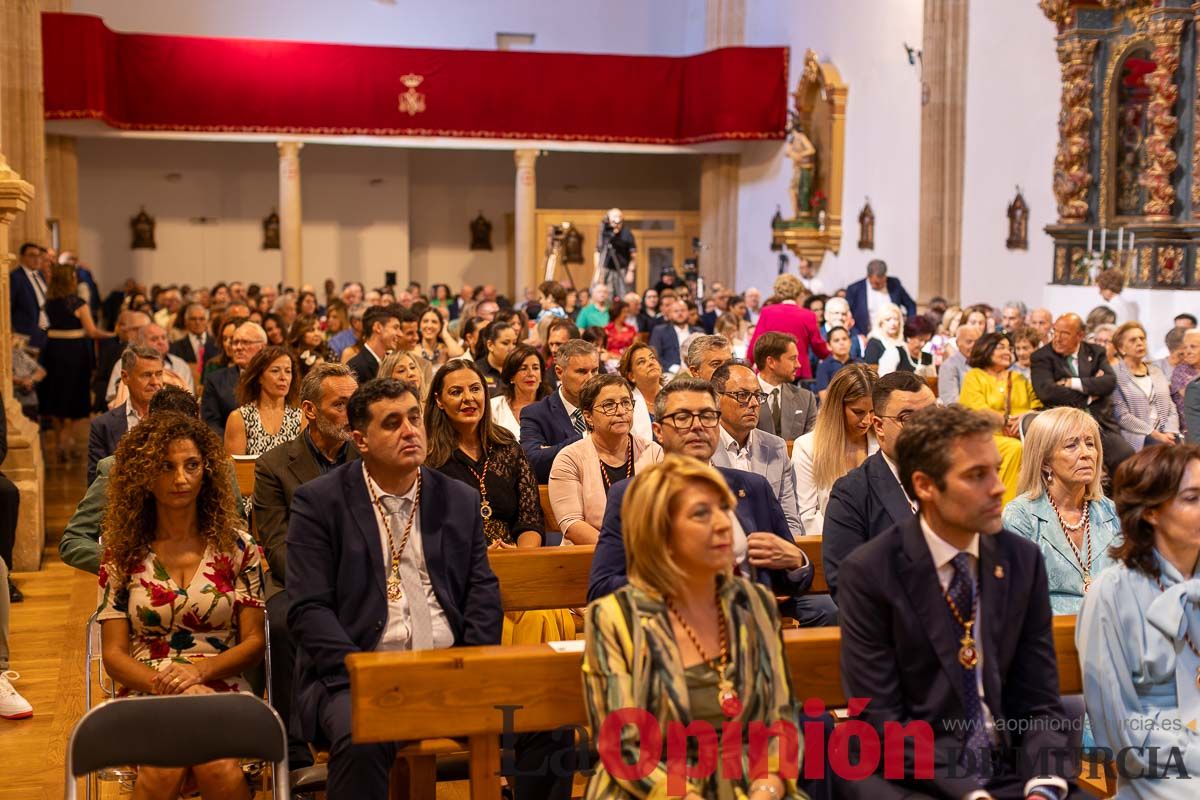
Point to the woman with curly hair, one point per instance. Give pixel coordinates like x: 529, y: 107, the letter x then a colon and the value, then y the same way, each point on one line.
x: 181, y: 604
x: 269, y: 414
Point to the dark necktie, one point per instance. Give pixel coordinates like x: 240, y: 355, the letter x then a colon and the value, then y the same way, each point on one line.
x: 577, y: 421
x: 962, y: 592
x: 776, y: 412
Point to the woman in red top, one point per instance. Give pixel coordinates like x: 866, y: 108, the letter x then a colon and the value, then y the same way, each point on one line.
x: 621, y: 332
x: 788, y: 317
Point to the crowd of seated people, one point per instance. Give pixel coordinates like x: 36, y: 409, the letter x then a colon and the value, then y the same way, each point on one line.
x: 970, y: 472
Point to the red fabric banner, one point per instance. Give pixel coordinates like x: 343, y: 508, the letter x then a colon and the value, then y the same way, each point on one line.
x: 179, y: 83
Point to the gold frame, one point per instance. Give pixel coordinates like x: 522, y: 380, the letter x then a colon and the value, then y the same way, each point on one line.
x: 820, y: 105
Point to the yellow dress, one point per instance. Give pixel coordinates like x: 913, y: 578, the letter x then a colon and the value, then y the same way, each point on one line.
x: 981, y: 390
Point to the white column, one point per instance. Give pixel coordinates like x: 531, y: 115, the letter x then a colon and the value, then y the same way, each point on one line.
x: 289, y: 213
x: 525, y: 208
x: 724, y: 26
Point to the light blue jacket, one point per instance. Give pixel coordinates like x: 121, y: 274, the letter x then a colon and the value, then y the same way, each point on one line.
x: 1036, y: 521
x: 1139, y: 675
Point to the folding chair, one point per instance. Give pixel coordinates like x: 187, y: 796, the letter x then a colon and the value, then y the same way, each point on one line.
x: 177, y: 731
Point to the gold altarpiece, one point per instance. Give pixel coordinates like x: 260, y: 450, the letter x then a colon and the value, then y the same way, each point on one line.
x: 815, y: 153
x: 1127, y: 172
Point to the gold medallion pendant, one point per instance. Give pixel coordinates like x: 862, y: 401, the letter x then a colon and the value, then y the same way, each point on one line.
x: 968, y: 656
x: 485, y: 509
x: 394, y: 590
x: 731, y: 704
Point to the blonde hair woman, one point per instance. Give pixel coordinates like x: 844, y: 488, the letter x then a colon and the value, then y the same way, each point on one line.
x: 685, y: 640
x: 887, y: 332
x: 404, y: 366
x: 840, y: 440
x: 1060, y: 506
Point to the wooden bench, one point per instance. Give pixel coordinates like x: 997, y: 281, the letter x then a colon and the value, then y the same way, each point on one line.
x: 243, y: 468
x: 449, y: 694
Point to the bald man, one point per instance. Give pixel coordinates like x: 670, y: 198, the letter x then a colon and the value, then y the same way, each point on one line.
x: 1072, y: 372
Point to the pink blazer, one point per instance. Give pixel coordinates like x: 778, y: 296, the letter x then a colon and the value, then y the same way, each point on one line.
x: 576, y: 486
x: 799, y: 322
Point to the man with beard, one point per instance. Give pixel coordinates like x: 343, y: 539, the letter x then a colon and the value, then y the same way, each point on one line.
x: 278, y: 473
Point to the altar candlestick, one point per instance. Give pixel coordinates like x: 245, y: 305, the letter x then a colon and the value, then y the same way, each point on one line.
x: 1131, y: 235
x: 1103, y: 240
x: 1121, y: 239
x: 1090, y: 232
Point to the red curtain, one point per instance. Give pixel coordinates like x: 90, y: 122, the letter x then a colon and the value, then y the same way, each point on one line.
x: 179, y: 83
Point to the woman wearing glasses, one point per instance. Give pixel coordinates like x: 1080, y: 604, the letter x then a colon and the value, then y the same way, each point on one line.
x: 583, y: 471
x: 840, y: 440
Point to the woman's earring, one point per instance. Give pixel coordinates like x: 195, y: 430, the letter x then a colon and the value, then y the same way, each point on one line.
x: 1047, y: 477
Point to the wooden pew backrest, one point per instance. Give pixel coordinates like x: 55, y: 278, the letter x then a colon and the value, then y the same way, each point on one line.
x: 243, y: 467
x: 547, y: 510
x: 811, y: 545
x: 549, y: 577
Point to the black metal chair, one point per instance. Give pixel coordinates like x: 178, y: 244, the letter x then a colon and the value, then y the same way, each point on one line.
x: 175, y: 731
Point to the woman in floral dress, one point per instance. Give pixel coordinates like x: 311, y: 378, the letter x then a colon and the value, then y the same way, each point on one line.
x: 181, y: 604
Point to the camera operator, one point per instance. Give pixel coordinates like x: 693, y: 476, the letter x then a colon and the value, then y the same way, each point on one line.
x: 616, y: 252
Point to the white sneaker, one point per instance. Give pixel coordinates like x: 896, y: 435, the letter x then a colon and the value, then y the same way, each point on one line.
x: 12, y: 705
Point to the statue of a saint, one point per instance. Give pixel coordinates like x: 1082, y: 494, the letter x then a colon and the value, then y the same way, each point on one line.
x: 804, y: 163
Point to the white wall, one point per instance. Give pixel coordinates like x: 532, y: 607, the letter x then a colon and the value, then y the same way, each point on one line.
x: 646, y: 27
x: 351, y: 228
x: 1011, y: 134
x: 864, y: 38
x: 366, y: 210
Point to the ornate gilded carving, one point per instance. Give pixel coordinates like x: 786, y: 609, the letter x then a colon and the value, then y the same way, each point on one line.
x: 1196, y: 146
x: 1170, y: 265
x: 1057, y: 11
x: 1060, y: 264
x: 1161, y: 159
x: 1071, y: 176
x: 1145, y: 257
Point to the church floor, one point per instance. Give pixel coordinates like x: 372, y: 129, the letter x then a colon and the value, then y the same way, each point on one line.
x: 47, y: 643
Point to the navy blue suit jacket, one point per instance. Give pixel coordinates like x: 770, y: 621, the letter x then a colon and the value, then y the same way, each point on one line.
x: 545, y: 429
x: 183, y: 348
x: 666, y: 344
x: 900, y: 648
x: 23, y: 302
x: 757, y: 509
x: 856, y: 296
x: 864, y: 503
x: 104, y: 434
x: 337, y: 602
x: 220, y: 398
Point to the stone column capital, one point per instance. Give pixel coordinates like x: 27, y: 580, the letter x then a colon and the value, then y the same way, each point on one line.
x: 289, y: 149
x: 525, y: 158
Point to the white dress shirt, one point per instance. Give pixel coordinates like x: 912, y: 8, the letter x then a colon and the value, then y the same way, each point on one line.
x: 502, y: 415
x: 396, y: 632
x: 198, y: 344
x: 571, y: 409
x: 876, y: 299
x: 642, y: 424
x: 132, y: 417
x: 739, y: 457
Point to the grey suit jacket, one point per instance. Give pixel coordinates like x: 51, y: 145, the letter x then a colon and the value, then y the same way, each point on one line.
x: 278, y: 473
x: 768, y: 458
x: 797, y: 413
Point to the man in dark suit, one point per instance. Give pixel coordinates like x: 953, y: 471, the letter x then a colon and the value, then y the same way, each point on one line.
x: 684, y: 410
x: 558, y: 333
x: 381, y: 332
x: 324, y: 445
x: 142, y: 373
x: 555, y: 421
x: 409, y: 541
x: 1075, y: 373
x: 127, y: 327
x: 866, y: 295
x: 789, y: 411
x: 197, y: 347
x: 946, y: 622
x: 667, y: 338
x: 869, y: 499
x: 220, y: 387
x: 27, y: 296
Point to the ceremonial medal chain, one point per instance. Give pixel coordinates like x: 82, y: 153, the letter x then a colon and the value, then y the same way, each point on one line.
x: 485, y: 508
x: 1085, y: 522
x: 1186, y: 637
x: 628, y: 466
x: 968, y: 654
x: 394, y: 588
x: 727, y: 696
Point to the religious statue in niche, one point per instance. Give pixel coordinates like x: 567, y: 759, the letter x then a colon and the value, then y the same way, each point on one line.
x: 271, y: 231
x: 1133, y: 98
x: 804, y: 168
x: 1018, y: 223
x: 866, y: 227
x: 143, y: 231
x: 481, y: 233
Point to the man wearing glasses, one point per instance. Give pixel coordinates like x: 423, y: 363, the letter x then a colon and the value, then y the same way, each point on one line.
x: 220, y: 387
x: 869, y: 499
x: 742, y: 445
x: 687, y: 422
